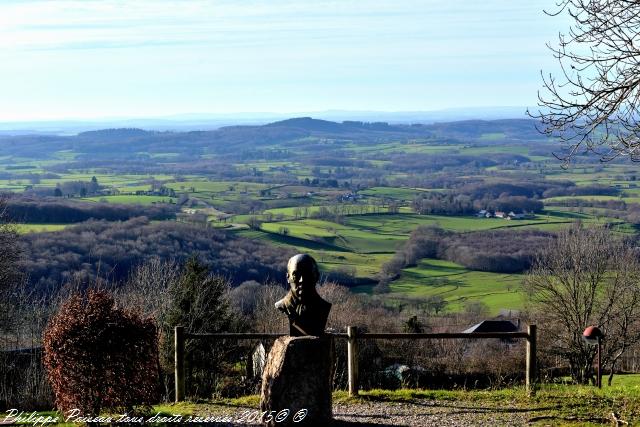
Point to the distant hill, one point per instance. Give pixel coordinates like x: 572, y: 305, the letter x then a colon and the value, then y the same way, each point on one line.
x: 128, y: 142
x: 309, y: 124
x: 114, y: 133
x: 206, y: 121
x: 316, y: 125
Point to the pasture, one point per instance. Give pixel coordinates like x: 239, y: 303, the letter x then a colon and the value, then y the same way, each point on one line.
x: 39, y: 228
x: 458, y: 286
x: 131, y: 199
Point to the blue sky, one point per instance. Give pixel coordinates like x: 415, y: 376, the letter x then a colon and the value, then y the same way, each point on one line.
x: 96, y: 59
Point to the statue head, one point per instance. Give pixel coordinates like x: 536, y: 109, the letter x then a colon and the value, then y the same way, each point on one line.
x: 307, y: 311
x: 302, y: 275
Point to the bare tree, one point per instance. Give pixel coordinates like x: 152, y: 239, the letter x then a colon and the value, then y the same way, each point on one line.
x: 594, y: 104
x: 266, y: 317
x: 9, y: 248
x: 10, y: 255
x: 148, y: 288
x: 23, y: 314
x: 587, y: 276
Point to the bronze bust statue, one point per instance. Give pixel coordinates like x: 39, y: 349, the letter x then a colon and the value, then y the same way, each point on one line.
x: 306, y: 310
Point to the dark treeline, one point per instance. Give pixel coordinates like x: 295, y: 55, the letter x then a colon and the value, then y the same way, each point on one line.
x: 418, y: 162
x: 53, y: 210
x: 469, y: 198
x: 620, y: 205
x: 495, y: 251
x: 492, y: 190
x: 501, y: 251
x: 461, y: 204
x: 110, y: 249
x: 586, y: 190
x: 519, y: 196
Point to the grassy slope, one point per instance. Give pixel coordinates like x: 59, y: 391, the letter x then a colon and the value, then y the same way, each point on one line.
x: 456, y: 285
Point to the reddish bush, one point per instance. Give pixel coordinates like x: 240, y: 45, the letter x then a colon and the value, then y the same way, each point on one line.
x: 99, y: 356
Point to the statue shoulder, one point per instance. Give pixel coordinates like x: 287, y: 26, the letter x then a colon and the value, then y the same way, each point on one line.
x: 326, y: 305
x: 281, y: 304
x: 284, y: 305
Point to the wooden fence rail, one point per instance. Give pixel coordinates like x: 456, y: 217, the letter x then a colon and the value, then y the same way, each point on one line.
x: 352, y: 336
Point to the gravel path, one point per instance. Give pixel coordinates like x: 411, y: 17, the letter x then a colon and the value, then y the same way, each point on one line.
x: 415, y: 413
x: 428, y: 413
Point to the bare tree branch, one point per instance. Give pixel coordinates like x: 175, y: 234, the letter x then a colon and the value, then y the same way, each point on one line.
x: 594, y: 104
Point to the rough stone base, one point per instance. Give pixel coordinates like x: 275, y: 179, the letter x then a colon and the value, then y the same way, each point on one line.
x: 298, y: 376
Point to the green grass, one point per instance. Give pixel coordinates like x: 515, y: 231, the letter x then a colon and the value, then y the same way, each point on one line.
x: 217, y: 186
x: 362, y: 243
x: 131, y: 199
x: 398, y: 193
x: 343, y: 236
x: 374, y: 233
x: 40, y: 228
x: 497, y: 136
x: 456, y: 285
x: 134, y: 188
x: 596, y: 198
x: 405, y: 223
x: 344, y: 209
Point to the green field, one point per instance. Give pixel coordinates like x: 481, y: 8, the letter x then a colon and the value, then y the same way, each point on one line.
x: 216, y: 186
x: 362, y: 243
x: 125, y: 199
x: 456, y: 285
x: 39, y: 228
x: 392, y: 192
x: 622, y: 198
x: 381, y: 232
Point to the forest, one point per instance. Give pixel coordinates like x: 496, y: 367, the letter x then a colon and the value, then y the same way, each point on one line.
x: 111, y: 249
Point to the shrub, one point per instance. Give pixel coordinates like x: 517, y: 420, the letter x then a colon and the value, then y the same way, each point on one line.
x: 99, y: 356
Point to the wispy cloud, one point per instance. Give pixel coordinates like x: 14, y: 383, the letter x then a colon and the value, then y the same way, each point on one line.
x: 213, y: 55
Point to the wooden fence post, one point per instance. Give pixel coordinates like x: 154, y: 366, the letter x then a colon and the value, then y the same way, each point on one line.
x: 179, y: 363
x: 531, y: 360
x: 352, y: 358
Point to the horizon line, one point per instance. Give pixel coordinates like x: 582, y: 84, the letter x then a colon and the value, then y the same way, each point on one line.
x: 256, y: 115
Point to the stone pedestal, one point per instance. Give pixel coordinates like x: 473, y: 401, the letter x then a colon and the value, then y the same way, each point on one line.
x: 298, y: 377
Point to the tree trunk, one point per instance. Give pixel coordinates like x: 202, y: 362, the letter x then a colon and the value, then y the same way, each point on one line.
x: 610, y: 379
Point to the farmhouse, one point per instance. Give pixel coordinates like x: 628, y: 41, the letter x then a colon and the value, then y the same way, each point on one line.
x: 524, y: 215
x: 508, y: 216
